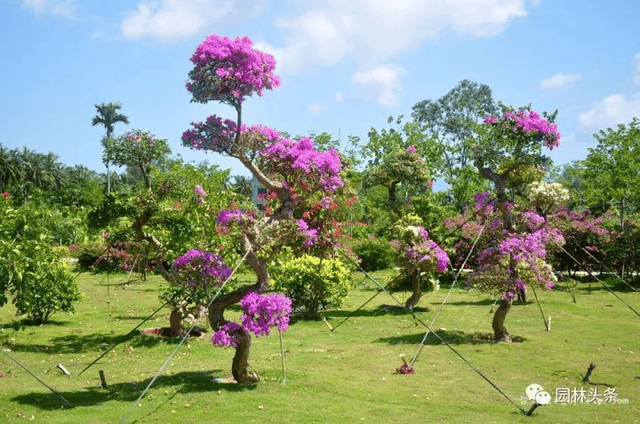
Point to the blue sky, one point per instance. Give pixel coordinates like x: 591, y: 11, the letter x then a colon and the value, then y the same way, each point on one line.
x: 345, y: 65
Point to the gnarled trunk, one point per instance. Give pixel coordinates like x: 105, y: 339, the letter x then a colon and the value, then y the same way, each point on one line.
x: 499, y: 330
x: 240, y: 367
x: 175, y: 320
x: 416, y: 290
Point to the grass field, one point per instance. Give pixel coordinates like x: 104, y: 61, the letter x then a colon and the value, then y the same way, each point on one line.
x: 344, y: 376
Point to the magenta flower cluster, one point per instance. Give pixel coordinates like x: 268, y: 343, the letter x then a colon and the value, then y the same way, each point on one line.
x: 227, y: 217
x: 531, y: 246
x: 229, y: 70
x: 518, y: 258
x: 214, y: 134
x: 200, y: 193
x: 310, y: 234
x: 261, y: 313
x: 288, y: 155
x: 226, y: 335
x: 528, y: 122
x: 422, y: 254
x: 200, y: 269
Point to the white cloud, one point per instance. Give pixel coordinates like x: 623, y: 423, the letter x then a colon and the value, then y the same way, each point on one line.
x: 382, y: 83
x: 316, y: 108
x: 636, y: 76
x: 327, y: 31
x: 339, y: 97
x: 170, y: 20
x: 66, y: 9
x: 613, y: 110
x: 558, y: 81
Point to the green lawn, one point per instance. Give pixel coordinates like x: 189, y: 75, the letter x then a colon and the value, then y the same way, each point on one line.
x: 345, y: 376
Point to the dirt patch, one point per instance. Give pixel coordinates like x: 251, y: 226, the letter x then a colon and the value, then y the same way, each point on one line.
x: 169, y: 332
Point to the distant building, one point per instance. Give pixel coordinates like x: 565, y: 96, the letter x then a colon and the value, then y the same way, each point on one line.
x: 257, y: 191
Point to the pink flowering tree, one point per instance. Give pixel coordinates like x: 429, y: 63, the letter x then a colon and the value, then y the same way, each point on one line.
x: 510, y: 152
x: 193, y: 279
x: 509, y: 259
x: 419, y: 259
x: 303, y: 184
x: 510, y: 156
x: 137, y: 149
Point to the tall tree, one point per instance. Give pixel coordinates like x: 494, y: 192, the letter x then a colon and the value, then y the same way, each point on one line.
x: 612, y: 168
x: 107, y: 115
x: 450, y: 122
x: 11, y: 167
x: 138, y: 150
x: 509, y: 154
x: 304, y: 185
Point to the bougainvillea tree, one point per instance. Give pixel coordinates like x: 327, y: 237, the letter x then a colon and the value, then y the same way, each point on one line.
x: 137, y: 149
x: 510, y: 156
x: 194, y: 278
x: 419, y: 258
x: 303, y: 184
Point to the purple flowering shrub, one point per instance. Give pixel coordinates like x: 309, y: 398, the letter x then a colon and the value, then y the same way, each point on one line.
x: 260, y: 314
x: 587, y: 240
x: 418, y: 257
x: 509, y: 259
x: 196, y: 276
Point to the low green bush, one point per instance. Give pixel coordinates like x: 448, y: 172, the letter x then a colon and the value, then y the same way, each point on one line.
x: 40, y: 283
x: 312, y: 283
x: 375, y: 254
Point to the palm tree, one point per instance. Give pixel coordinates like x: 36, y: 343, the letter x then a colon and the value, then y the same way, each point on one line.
x: 242, y: 185
x: 11, y: 169
x: 107, y: 116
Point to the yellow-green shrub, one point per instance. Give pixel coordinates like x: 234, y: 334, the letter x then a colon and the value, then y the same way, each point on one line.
x: 312, y: 283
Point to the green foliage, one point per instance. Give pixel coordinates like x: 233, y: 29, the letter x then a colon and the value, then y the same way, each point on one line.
x: 449, y: 124
x: 138, y: 150
x: 375, y: 254
x: 610, y: 174
x: 38, y: 281
x: 399, y: 161
x: 61, y: 251
x: 312, y: 283
x: 107, y: 213
x: 30, y: 270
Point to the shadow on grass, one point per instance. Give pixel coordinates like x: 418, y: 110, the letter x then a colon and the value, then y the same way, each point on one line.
x: 597, y: 287
x: 91, y: 342
x: 454, y: 337
x: 24, y: 323
x: 376, y: 312
x: 183, y: 382
x: 483, y: 302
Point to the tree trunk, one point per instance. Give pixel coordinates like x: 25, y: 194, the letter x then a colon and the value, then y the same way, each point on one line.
x: 522, y: 295
x: 240, y: 368
x: 416, y: 294
x: 499, y: 330
x: 175, y: 320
